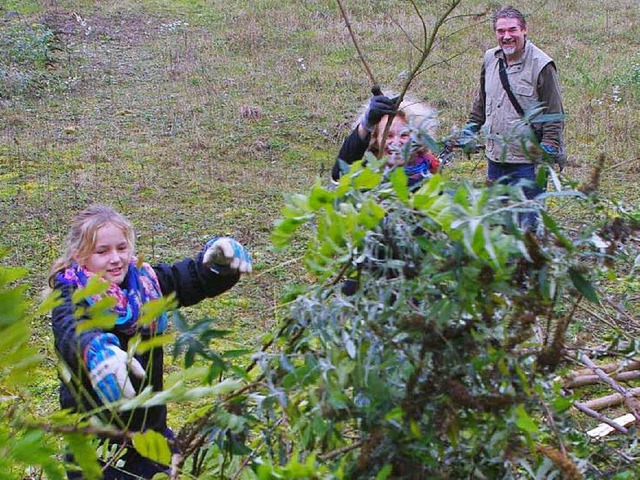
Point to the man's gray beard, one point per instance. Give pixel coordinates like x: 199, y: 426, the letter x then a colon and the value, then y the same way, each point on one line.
x: 510, y: 50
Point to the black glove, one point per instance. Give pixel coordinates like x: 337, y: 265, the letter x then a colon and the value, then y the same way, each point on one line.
x: 379, y: 106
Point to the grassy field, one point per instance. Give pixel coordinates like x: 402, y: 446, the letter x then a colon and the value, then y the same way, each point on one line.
x: 195, y: 118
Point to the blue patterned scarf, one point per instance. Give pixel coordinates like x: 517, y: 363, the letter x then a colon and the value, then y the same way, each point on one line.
x: 140, y: 286
x: 423, y: 166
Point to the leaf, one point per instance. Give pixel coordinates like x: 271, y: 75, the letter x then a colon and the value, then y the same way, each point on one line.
x: 583, y: 285
x: 152, y: 445
x: 32, y: 448
x: 562, y: 404
x: 384, y: 473
x: 13, y: 305
x: 236, y: 353
x: 371, y: 214
x: 552, y: 226
x: 95, y: 286
x: 85, y: 455
x: 625, y: 475
x: 366, y: 179
x: 524, y: 421
x: 153, y: 309
x: 541, y: 177
x: 11, y: 274
x: 399, y: 183
x: 348, y: 344
x: 479, y: 239
x: 554, y: 179
x: 12, y: 336
x: 153, y: 342
x: 320, y: 197
x: 98, y: 319
x: 52, y: 300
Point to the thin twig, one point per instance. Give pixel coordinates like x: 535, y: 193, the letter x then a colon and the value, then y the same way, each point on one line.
x: 621, y: 311
x: 277, y: 267
x: 428, y: 42
x: 444, y: 61
x: 619, y: 164
x: 249, y: 457
x: 606, y: 321
x: 339, y: 451
x: 406, y: 34
x: 355, y: 43
x: 555, y: 429
x: 426, y: 51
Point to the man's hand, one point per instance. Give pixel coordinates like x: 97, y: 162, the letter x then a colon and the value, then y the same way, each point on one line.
x: 467, y: 139
x: 225, y: 255
x: 470, y: 130
x: 552, y: 153
x: 379, y: 106
x: 109, y: 368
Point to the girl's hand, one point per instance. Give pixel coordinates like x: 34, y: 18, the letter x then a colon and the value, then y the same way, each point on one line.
x: 224, y: 255
x: 109, y: 368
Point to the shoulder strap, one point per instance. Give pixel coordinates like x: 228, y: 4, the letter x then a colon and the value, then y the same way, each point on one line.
x: 507, y: 88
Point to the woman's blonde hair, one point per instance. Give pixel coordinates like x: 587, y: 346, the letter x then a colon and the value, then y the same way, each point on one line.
x: 416, y: 113
x: 81, y: 239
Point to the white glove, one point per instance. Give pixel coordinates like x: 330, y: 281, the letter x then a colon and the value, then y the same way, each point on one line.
x: 225, y: 255
x: 109, y: 368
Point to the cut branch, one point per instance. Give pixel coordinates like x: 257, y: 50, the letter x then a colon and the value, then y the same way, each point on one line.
x: 605, y: 429
x: 583, y: 380
x: 598, y: 416
x: 609, y: 400
x: 628, y: 397
x: 607, y: 368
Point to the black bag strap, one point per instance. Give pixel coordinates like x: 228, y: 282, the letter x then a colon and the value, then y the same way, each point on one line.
x: 507, y: 88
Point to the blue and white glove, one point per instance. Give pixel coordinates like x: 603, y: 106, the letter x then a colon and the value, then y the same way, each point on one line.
x: 224, y: 255
x: 552, y: 152
x: 109, y: 368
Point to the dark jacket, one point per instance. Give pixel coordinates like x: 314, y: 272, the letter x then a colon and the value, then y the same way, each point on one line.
x: 190, y: 281
x: 353, y: 149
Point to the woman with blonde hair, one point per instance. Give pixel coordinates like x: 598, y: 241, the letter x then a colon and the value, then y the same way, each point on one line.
x: 411, y: 115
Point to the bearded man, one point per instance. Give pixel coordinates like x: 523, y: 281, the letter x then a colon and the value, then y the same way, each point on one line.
x: 516, y: 78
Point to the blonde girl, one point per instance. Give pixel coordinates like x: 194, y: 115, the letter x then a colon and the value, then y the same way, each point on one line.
x: 97, y: 370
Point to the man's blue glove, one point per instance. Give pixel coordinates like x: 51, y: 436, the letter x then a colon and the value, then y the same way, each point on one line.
x: 552, y: 152
x: 224, y: 255
x: 379, y: 106
x: 467, y: 139
x: 470, y: 129
x: 109, y: 368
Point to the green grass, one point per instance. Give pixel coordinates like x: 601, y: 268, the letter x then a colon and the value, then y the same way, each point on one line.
x: 195, y: 118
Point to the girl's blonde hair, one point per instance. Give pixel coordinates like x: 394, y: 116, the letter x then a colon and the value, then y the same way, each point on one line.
x: 418, y: 114
x: 81, y: 239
